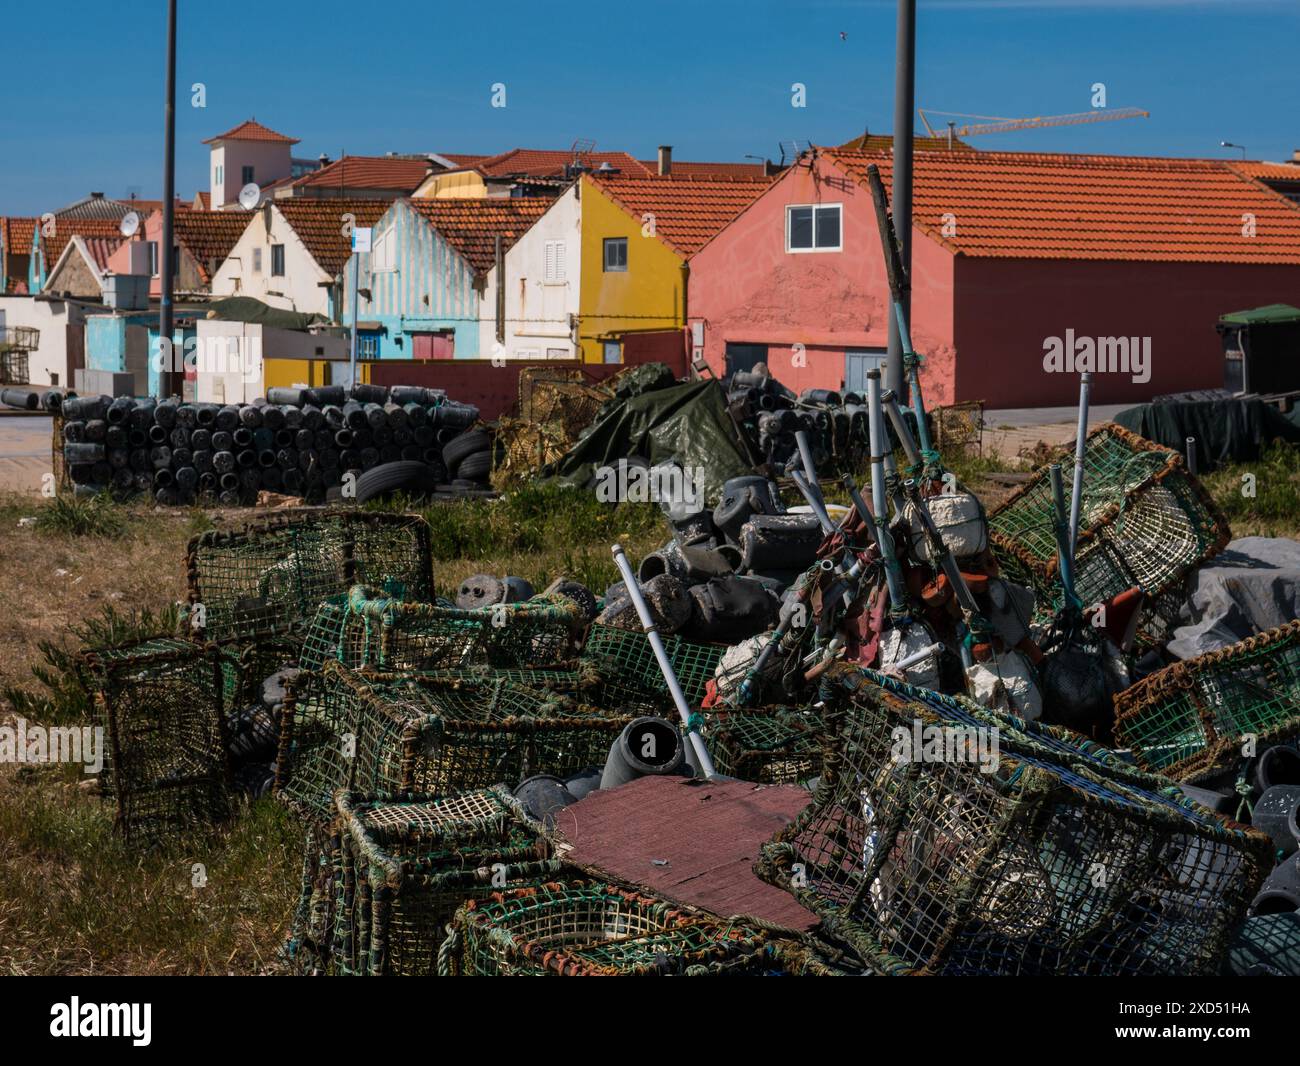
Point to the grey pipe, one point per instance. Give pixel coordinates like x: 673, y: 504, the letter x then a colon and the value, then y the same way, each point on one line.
x: 1080, y: 447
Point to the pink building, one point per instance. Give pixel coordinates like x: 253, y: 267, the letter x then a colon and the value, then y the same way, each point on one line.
x: 1026, y: 268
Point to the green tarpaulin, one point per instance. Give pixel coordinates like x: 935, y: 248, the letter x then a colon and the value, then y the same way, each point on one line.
x: 1226, y: 431
x: 687, y: 423
x: 247, y: 309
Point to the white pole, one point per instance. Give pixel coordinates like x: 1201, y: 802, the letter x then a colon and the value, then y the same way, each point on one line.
x: 1076, y: 493
x: 356, y: 281
x: 702, y: 757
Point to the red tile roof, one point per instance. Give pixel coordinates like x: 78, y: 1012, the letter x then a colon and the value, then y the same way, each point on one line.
x: 368, y: 172
x: 209, y: 235
x: 16, y: 235
x: 687, y: 211
x: 1029, y: 205
x: 101, y: 248
x: 690, y: 168
x: 251, y: 130
x: 319, y: 225
x: 545, y: 163
x: 460, y: 159
x: 203, y: 201
x: 1262, y: 171
x: 884, y: 142
x: 90, y: 229
x: 472, y: 226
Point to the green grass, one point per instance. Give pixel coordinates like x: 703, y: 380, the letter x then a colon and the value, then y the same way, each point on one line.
x: 1274, y: 509
x: 97, y: 516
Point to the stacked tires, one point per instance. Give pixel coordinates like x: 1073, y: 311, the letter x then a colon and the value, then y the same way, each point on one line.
x: 296, y: 442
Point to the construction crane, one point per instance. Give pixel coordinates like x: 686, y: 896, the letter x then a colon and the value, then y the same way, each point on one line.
x: 994, y: 124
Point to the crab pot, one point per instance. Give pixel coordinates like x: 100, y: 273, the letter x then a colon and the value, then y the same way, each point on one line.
x: 270, y: 577
x: 396, y: 870
x: 162, y: 704
x: 365, y: 628
x: 1189, y: 720
x: 629, y: 673
x: 593, y: 929
x: 1000, y: 847
x: 1144, y: 521
x: 770, y: 745
x: 432, y: 734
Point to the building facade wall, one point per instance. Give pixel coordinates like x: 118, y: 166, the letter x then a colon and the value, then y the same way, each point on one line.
x: 304, y: 287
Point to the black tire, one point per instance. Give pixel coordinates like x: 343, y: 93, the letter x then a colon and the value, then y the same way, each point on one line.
x: 413, y: 478
x: 465, y: 445
x: 475, y: 467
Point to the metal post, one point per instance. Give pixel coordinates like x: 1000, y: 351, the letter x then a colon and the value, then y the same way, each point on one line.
x: 904, y: 104
x: 1076, y: 492
x: 167, y: 374
x: 702, y: 758
x: 356, y: 282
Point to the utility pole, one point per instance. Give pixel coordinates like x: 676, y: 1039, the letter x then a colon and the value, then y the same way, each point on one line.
x: 901, y: 193
x: 167, y: 376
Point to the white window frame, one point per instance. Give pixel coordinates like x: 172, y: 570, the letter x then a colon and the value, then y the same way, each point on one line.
x: 815, y: 249
x: 555, y: 265
x: 283, y: 263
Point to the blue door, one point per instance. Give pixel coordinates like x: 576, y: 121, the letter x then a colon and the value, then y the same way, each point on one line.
x: 857, y: 361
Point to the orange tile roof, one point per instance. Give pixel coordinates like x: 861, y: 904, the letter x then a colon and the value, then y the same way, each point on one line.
x: 545, y: 163
x: 369, y: 172
x: 319, y: 225
x: 251, y: 130
x: 1262, y: 171
x: 203, y: 200
x: 105, y: 229
x: 16, y: 234
x: 101, y: 248
x: 209, y: 235
x: 472, y: 226
x: 1048, y: 206
x: 694, y: 169
x: 884, y: 142
x: 687, y: 210
x: 461, y: 159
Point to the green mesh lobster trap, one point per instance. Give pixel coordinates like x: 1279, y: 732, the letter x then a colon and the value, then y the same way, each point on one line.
x: 365, y: 628
x: 770, y: 745
x: 630, y: 673
x: 405, y: 866
x: 408, y: 733
x: 162, y: 704
x: 1189, y: 719
x: 1144, y: 521
x: 270, y: 577
x: 591, y: 929
x: 1004, y: 847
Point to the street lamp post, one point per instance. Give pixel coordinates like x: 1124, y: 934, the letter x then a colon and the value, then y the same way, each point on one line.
x: 901, y: 193
x: 167, y: 376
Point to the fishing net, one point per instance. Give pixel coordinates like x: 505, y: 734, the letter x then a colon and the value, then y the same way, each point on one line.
x: 403, y: 733
x: 770, y: 745
x: 403, y: 867
x: 367, y: 629
x: 943, y: 840
x: 270, y: 577
x: 1144, y: 521
x: 629, y: 671
x: 958, y: 428
x: 591, y: 929
x: 1191, y: 718
x: 162, y: 705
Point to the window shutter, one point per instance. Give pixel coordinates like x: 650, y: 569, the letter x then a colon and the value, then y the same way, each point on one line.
x: 559, y: 260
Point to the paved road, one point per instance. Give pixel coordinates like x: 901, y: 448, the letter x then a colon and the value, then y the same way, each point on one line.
x: 24, y: 452
x: 1010, y: 431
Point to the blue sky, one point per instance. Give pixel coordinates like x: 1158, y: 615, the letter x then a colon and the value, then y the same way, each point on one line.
x: 82, y: 105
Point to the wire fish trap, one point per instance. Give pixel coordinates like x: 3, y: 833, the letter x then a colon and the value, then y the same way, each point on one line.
x: 1144, y: 521
x: 630, y: 673
x: 162, y: 704
x: 269, y: 577
x: 1049, y: 858
x: 365, y: 628
x: 404, y: 865
x: 1190, y: 719
x: 769, y: 745
x: 592, y: 929
x: 408, y: 733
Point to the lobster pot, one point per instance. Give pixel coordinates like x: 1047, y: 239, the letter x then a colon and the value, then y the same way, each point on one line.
x: 770, y: 745
x: 1189, y: 720
x: 162, y: 705
x: 365, y: 628
x: 944, y: 839
x: 402, y: 733
x: 270, y: 577
x: 629, y: 671
x: 1144, y: 521
x: 405, y: 865
x: 593, y: 929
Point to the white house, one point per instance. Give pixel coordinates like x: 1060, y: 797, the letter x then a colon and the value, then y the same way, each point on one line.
x: 248, y: 154
x: 293, y: 257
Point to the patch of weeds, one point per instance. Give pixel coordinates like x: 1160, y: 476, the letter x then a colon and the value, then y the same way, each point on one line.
x: 1262, y: 496
x: 96, y: 516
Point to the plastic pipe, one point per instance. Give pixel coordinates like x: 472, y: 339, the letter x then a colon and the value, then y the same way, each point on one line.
x: 703, y: 760
x: 814, y: 501
x: 890, y: 403
x: 1076, y: 492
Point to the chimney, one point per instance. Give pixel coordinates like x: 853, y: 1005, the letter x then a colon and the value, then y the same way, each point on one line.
x: 665, y: 160
x: 1295, y: 155
x: 96, y: 195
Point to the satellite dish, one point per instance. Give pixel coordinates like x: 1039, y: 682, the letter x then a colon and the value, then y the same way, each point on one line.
x: 129, y: 224
x: 250, y: 196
